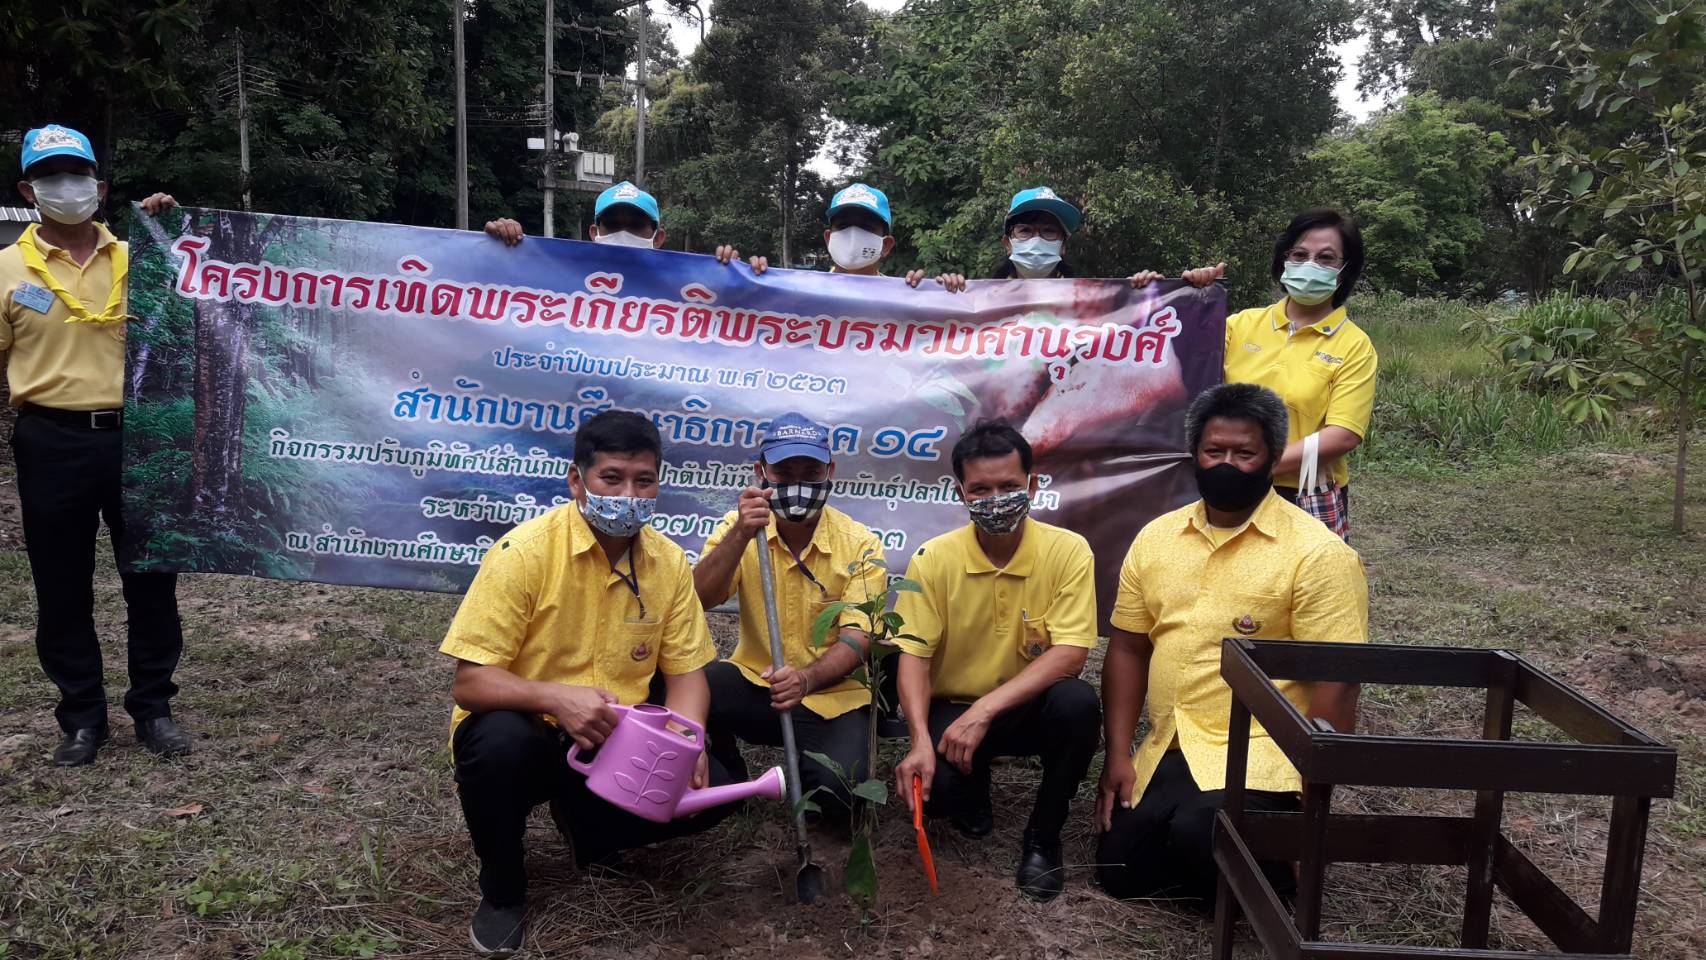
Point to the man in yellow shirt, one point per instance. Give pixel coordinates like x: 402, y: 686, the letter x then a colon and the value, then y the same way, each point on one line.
x: 1004, y: 617
x: 1240, y: 562
x: 820, y: 556
x: 62, y: 325
x: 571, y: 612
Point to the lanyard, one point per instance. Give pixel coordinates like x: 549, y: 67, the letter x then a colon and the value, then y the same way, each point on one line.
x: 632, y: 580
x: 800, y: 565
x: 79, y: 314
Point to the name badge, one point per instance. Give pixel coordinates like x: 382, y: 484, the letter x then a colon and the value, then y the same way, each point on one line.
x: 36, y: 298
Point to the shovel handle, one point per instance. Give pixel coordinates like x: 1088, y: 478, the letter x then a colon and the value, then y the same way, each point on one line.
x: 767, y: 579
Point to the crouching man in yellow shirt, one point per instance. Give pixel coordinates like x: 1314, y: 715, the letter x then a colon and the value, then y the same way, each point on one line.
x: 1004, y: 620
x: 571, y: 612
x: 1240, y: 562
x: 820, y: 556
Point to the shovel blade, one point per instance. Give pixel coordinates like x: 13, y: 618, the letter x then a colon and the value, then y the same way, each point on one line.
x: 809, y: 884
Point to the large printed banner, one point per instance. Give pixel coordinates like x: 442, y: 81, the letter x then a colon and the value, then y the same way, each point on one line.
x: 366, y: 403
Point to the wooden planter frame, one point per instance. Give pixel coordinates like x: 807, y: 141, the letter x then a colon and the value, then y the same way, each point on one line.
x: 1609, y: 758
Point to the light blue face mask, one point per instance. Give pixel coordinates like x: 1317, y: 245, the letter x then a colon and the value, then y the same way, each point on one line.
x: 618, y: 516
x: 1309, y: 283
x: 1035, y: 257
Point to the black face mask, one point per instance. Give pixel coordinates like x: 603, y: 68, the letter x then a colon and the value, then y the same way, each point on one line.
x: 1230, y: 490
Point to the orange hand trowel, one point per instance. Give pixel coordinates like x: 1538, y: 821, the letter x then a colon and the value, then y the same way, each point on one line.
x: 918, y: 828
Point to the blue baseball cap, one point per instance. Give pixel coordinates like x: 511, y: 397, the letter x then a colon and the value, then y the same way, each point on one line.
x: 863, y: 196
x: 625, y: 194
x: 794, y: 435
x: 54, y: 140
x: 1044, y: 199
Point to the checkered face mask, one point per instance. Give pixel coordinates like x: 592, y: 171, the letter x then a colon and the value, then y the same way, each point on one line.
x: 1001, y: 514
x: 799, y: 502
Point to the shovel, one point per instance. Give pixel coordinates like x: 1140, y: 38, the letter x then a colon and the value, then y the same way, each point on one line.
x: 918, y: 828
x: 808, y: 882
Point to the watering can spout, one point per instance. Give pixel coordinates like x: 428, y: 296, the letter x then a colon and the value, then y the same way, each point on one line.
x: 772, y: 785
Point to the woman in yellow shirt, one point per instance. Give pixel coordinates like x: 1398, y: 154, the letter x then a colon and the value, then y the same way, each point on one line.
x: 1306, y: 349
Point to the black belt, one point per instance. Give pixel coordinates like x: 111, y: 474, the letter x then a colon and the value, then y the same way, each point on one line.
x: 87, y: 419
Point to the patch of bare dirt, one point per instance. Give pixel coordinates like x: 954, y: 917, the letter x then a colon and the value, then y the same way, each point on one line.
x: 1662, y: 686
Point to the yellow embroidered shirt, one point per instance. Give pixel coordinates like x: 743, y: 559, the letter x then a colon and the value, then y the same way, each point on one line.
x: 72, y: 366
x: 546, y: 605
x: 1283, y: 570
x: 838, y: 543
x: 980, y: 625
x: 1324, y: 372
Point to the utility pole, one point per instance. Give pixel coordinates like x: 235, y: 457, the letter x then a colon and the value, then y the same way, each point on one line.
x: 640, y: 105
x: 550, y: 151
x: 242, y: 127
x: 461, y: 123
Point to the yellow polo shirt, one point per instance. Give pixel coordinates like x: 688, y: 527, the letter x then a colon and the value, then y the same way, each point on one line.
x: 546, y: 605
x: 1283, y: 576
x: 1324, y: 372
x: 980, y: 625
x: 839, y: 542
x: 72, y: 366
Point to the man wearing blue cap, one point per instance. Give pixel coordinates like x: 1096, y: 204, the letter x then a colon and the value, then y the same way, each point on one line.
x: 62, y: 324
x: 623, y: 215
x: 819, y: 555
x: 858, y: 234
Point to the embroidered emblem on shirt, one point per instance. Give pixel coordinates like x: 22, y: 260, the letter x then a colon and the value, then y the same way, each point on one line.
x: 1329, y: 358
x: 640, y: 652
x: 1246, y: 625
x: 1253, y: 347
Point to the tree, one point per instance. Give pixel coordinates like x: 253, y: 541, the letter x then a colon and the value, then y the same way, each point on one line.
x: 1125, y: 106
x: 1398, y: 30
x: 1641, y: 199
x: 1418, y: 179
x: 742, y: 122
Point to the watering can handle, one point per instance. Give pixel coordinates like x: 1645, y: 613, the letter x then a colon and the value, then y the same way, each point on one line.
x: 575, y: 762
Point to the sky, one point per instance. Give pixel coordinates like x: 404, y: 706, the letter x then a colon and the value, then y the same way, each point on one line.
x: 686, y: 37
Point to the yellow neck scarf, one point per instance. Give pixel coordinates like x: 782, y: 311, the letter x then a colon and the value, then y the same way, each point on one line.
x: 79, y: 314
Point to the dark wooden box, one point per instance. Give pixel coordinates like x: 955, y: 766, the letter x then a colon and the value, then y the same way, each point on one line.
x: 1608, y: 758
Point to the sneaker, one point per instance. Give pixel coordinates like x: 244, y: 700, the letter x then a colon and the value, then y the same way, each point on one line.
x: 497, y: 931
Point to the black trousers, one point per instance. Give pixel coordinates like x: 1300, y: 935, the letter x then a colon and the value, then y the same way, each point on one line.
x: 507, y: 763
x: 1062, y: 727
x: 1164, y: 846
x: 68, y: 481
x: 740, y: 710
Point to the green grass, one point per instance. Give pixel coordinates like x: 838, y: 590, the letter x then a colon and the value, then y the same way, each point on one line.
x: 328, y: 825
x: 1443, y: 401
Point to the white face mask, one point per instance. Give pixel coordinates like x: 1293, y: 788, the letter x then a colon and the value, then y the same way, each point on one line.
x: 1035, y: 257
x: 623, y: 238
x: 69, y: 198
x: 853, y: 248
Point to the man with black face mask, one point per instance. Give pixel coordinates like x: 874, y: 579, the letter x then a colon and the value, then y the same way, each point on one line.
x: 820, y: 557
x: 1242, y: 561
x: 1003, y: 622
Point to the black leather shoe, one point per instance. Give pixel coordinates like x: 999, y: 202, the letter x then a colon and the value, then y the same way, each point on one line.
x: 163, y: 736
x: 976, y: 823
x: 498, y: 931
x: 80, y: 746
x: 1042, y: 874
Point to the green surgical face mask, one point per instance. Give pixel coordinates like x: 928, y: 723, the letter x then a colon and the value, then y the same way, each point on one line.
x: 1309, y: 283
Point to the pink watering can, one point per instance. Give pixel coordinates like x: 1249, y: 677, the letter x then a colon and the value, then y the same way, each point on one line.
x: 647, y: 769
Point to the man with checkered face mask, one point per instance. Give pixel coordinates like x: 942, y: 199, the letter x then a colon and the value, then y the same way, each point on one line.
x: 820, y: 557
